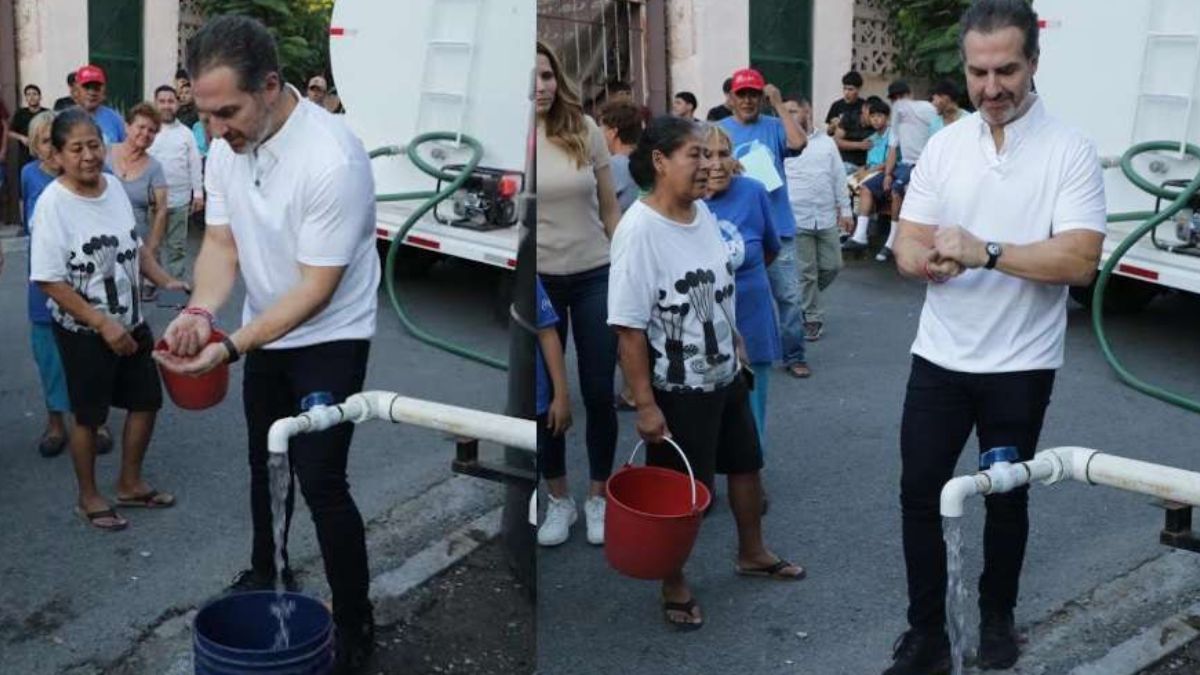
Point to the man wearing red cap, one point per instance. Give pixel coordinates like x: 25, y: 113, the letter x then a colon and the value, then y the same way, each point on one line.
x: 762, y: 143
x: 93, y: 88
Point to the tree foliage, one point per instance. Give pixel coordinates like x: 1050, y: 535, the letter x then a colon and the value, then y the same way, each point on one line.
x: 926, y: 35
x: 300, y: 29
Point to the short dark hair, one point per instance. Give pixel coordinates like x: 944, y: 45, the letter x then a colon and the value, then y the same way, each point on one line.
x: 182, y: 74
x: 33, y: 87
x: 878, y: 107
x: 166, y: 87
x: 800, y: 99
x: 624, y: 117
x: 241, y: 43
x: 66, y: 121
x: 947, y: 88
x: 989, y: 16
x: 727, y: 85
x: 688, y: 98
x: 665, y: 134
x: 71, y: 79
x: 852, y: 79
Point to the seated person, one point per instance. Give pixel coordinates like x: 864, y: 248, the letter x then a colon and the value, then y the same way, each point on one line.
x: 868, y: 181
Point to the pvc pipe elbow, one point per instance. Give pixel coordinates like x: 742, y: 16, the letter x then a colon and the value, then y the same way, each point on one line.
x: 956, y: 491
x: 280, y: 433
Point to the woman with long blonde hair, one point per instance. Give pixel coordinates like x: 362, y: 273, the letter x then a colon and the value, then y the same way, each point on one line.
x: 577, y: 215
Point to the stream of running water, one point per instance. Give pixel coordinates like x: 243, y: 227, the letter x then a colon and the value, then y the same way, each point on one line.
x: 956, y: 593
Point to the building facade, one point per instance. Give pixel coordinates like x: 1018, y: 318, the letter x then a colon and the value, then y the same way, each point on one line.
x: 137, y: 42
x: 658, y: 47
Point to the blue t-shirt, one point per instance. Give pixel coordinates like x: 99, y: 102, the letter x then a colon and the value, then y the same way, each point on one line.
x: 877, y: 155
x: 744, y: 214
x: 769, y: 132
x: 627, y: 189
x: 33, y: 181
x: 201, y: 138
x: 112, y: 127
x: 546, y: 318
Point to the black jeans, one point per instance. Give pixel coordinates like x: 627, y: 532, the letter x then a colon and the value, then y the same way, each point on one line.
x: 940, y: 409
x: 581, y: 300
x: 274, y: 382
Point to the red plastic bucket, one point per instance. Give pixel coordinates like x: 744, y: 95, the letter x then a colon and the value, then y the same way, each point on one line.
x: 201, y: 391
x: 651, y: 518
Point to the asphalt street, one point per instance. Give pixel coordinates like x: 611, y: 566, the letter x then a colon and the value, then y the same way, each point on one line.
x: 76, y: 600
x: 832, y: 470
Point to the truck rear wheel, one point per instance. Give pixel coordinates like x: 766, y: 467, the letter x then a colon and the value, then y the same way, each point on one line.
x: 1123, y: 295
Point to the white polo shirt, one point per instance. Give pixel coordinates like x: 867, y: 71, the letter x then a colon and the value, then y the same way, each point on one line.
x: 306, y: 196
x: 1046, y: 180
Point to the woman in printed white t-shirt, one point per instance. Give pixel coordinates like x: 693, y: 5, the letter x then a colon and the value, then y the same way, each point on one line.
x: 671, y: 300
x: 87, y: 258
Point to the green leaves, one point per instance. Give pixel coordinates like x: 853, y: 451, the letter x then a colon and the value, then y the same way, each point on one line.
x: 926, y: 35
x: 300, y: 29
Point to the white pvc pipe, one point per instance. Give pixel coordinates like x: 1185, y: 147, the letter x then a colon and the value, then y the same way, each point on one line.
x: 390, y: 406
x: 1082, y: 464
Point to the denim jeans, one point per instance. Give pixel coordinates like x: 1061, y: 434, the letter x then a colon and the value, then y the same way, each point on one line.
x: 785, y: 287
x: 581, y: 301
x: 274, y: 382
x: 940, y: 409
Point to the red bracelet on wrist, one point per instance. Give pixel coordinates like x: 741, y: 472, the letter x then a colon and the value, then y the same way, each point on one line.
x: 200, y: 311
x: 933, y: 278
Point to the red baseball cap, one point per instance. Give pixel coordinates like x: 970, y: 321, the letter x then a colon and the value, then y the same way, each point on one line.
x: 747, y: 78
x: 88, y: 74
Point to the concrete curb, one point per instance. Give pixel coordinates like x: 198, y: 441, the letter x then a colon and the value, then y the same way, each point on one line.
x: 1147, y: 647
x: 389, y: 587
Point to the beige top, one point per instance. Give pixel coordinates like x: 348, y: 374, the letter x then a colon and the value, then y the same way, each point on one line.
x: 570, y: 234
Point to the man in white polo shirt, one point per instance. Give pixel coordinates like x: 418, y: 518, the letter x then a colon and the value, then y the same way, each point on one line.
x: 291, y: 203
x: 1005, y: 209
x: 175, y: 148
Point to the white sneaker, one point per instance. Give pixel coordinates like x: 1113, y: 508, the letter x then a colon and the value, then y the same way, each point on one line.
x: 593, y: 509
x: 560, y: 516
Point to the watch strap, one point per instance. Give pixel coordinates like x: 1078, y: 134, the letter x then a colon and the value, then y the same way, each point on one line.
x: 993, y: 253
x: 234, y: 355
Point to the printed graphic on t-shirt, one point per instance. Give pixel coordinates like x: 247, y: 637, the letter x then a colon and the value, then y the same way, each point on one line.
x: 100, y: 270
x: 697, y: 298
x: 734, y: 243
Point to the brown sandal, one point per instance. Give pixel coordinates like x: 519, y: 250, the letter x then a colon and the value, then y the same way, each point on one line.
x: 116, y: 523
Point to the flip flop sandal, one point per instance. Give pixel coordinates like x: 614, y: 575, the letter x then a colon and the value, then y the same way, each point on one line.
x: 104, y: 441
x: 685, y: 608
x: 118, y: 523
x: 51, y: 446
x: 147, y: 500
x: 772, y: 571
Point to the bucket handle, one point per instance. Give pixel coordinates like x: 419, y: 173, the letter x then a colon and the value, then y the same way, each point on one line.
x: 686, y: 464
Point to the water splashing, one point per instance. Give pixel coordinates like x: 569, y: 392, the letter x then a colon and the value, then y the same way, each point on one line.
x: 956, y: 593
x: 281, y: 609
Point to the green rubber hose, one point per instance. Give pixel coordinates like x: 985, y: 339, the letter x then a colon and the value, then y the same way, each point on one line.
x: 431, y: 199
x: 1179, y: 200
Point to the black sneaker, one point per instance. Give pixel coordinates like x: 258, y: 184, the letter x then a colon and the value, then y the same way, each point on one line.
x: 249, y: 580
x: 920, y: 653
x: 354, y: 646
x: 997, y: 641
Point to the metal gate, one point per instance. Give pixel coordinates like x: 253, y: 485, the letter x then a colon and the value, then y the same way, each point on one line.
x: 115, y: 44
x: 781, y: 43
x: 601, y: 44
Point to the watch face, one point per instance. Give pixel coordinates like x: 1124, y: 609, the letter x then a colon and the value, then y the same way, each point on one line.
x: 993, y: 249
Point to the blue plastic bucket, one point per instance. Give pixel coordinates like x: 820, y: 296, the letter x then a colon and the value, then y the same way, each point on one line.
x: 233, y: 635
